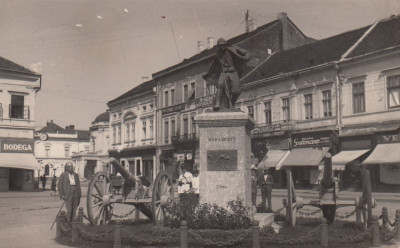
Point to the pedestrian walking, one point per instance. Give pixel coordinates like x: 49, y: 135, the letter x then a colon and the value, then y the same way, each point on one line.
x: 69, y: 189
x: 266, y: 181
x: 54, y: 185
x: 43, y: 179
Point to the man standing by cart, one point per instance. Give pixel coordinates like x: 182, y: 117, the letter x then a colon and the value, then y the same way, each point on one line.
x: 69, y: 189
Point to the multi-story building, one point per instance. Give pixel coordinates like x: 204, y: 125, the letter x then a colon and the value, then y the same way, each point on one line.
x: 18, y: 89
x: 370, y: 99
x: 54, y: 146
x: 97, y: 158
x: 294, y: 97
x: 183, y: 93
x: 133, y: 132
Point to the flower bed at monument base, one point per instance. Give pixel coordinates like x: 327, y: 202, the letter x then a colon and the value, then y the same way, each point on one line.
x: 143, y: 233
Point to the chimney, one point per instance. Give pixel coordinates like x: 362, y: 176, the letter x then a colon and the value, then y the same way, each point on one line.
x: 282, y: 15
x: 283, y: 19
x: 210, y: 42
x: 200, y: 46
x: 144, y: 79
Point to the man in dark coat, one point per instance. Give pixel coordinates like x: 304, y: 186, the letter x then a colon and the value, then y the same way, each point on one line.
x: 266, y: 182
x: 69, y: 189
x: 225, y: 72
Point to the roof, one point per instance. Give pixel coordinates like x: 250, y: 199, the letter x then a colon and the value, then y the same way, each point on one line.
x: 83, y: 134
x: 386, y: 34
x: 148, y: 85
x: 51, y: 127
x: 103, y: 117
x: 209, y: 52
x: 309, y: 55
x: 8, y: 65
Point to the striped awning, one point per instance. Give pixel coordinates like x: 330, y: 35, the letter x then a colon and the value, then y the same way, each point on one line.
x: 272, y: 159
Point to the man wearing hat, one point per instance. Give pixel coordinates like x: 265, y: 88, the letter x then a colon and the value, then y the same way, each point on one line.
x: 225, y: 72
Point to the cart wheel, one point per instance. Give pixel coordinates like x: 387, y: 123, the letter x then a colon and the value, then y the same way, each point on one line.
x: 99, y: 207
x: 163, y: 193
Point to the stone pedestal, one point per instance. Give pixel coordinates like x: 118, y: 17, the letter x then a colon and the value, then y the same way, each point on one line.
x: 225, y: 157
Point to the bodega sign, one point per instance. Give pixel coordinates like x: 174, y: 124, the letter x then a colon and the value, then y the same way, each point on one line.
x: 16, y: 146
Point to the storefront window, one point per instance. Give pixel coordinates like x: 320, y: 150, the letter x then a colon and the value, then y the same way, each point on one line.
x: 326, y: 103
x: 308, y: 106
x: 393, y: 88
x: 358, y: 98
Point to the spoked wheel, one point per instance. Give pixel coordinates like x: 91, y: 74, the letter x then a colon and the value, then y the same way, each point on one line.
x: 99, y: 207
x: 163, y: 193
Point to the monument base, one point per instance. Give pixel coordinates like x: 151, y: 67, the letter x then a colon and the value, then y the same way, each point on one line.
x: 225, y: 157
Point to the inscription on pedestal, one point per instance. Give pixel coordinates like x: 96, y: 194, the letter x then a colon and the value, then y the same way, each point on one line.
x: 222, y: 160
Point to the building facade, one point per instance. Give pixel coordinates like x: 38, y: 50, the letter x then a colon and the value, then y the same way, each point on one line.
x: 337, y: 95
x: 55, y: 146
x: 18, y: 89
x: 183, y: 93
x: 133, y: 131
x: 96, y: 158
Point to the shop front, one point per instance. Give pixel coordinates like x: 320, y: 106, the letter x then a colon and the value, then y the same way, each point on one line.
x: 139, y: 161
x: 384, y: 161
x: 307, y: 153
x: 17, y: 165
x: 277, y: 148
x: 347, y: 163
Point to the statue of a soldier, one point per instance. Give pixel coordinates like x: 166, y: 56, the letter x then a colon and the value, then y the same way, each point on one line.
x: 225, y: 72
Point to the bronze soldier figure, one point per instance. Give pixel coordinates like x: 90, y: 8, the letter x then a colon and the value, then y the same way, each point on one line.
x: 225, y: 72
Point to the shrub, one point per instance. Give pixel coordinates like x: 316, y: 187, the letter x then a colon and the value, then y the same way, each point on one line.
x: 208, y: 216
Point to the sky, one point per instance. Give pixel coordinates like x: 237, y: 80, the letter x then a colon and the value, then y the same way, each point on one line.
x: 92, y: 51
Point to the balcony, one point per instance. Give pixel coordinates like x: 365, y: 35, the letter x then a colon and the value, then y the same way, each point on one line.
x: 277, y: 126
x: 190, y: 137
x: 18, y: 112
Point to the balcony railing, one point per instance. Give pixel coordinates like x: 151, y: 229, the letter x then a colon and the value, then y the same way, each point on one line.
x: 18, y: 112
x: 184, y: 138
x: 271, y: 127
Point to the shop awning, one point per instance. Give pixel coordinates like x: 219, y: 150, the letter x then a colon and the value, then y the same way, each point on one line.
x: 305, y: 156
x: 384, y: 154
x: 272, y: 159
x: 19, y: 161
x: 344, y: 157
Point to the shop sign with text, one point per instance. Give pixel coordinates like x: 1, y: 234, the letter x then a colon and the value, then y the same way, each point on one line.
x: 389, y: 138
x: 311, y: 141
x: 16, y: 146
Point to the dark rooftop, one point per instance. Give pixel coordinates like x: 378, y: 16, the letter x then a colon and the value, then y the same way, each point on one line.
x: 386, y: 34
x: 309, y: 55
x: 148, y: 85
x: 8, y: 65
x: 103, y: 117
